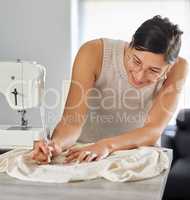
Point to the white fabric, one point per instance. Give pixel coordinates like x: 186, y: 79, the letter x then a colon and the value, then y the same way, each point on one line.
x: 120, y: 166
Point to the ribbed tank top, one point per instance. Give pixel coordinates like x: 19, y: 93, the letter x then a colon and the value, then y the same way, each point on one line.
x: 115, y: 106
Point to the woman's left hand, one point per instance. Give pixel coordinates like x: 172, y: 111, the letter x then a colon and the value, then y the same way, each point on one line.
x: 89, y: 153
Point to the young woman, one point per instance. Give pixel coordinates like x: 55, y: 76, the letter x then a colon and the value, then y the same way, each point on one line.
x: 122, y: 95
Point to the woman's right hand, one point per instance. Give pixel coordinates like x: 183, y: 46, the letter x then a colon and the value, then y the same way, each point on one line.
x: 43, y: 150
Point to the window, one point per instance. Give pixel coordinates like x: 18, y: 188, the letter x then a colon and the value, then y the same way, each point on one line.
x: 119, y: 19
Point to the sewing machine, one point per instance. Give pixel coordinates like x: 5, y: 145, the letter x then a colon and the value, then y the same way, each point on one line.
x: 22, y: 83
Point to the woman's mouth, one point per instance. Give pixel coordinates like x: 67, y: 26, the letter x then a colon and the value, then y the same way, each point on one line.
x: 136, y: 82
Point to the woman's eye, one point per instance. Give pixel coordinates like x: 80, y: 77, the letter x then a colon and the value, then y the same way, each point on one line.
x: 136, y: 62
x: 154, y: 71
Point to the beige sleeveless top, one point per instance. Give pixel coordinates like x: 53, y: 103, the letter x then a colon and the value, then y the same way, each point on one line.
x: 115, y: 106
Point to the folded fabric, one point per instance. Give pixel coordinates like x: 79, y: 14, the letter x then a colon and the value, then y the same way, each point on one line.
x: 120, y: 166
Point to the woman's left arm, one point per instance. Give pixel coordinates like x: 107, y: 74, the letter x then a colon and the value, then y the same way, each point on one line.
x: 164, y: 105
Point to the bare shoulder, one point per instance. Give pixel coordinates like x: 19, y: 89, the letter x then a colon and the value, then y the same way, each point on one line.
x: 92, y: 48
x: 178, y: 72
x: 183, y: 63
x: 92, y: 44
x: 93, y: 53
x: 183, y: 60
x: 181, y: 67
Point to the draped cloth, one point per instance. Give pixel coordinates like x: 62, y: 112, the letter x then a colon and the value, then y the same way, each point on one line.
x: 120, y: 166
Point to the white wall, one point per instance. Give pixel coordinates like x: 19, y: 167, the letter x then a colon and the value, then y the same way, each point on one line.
x: 37, y: 30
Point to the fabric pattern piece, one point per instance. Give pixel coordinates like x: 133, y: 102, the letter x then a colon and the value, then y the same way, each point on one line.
x: 120, y: 166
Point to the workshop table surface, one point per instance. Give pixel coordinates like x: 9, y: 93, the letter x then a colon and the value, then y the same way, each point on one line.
x: 150, y: 189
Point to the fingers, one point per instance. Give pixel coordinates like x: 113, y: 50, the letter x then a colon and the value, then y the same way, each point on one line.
x: 43, y: 162
x: 72, y: 157
x: 71, y: 151
x: 81, y: 156
x: 100, y: 157
x: 40, y: 157
x: 91, y: 157
x: 54, y: 148
x: 41, y: 146
x: 41, y: 152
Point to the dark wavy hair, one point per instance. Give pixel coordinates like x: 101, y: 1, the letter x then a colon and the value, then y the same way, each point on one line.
x: 158, y: 35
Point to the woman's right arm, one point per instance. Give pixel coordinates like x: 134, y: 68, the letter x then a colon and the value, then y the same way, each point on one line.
x: 83, y: 77
x: 84, y: 73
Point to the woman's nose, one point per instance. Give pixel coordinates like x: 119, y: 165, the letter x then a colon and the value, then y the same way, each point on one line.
x: 139, y: 76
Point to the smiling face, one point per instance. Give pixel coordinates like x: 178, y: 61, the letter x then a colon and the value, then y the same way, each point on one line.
x: 143, y: 67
